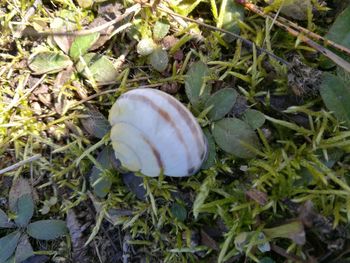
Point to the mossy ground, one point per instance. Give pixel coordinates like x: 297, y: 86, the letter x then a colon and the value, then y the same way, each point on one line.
x: 290, y: 203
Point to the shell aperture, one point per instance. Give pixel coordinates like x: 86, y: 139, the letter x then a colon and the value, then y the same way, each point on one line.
x: 153, y: 132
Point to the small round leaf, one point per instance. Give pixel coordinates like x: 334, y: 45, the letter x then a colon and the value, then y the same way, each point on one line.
x: 24, y: 210
x: 81, y: 45
x: 196, y: 88
x: 159, y: 59
x: 100, y: 68
x: 161, y: 29
x: 179, y: 211
x: 221, y: 102
x: 254, y: 118
x: 47, y: 229
x: 233, y: 135
x: 48, y: 62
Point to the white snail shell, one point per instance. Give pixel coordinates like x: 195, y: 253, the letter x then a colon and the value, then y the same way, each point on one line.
x: 152, y: 132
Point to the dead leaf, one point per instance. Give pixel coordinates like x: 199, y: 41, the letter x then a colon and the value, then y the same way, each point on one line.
x: 80, y: 252
x: 19, y: 188
x: 307, y: 214
x: 208, y: 241
x: 257, y: 196
x: 106, y: 12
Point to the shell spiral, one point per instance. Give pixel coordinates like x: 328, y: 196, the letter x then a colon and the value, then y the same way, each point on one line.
x: 152, y: 132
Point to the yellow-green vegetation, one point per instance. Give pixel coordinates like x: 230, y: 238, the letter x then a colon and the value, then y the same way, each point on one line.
x: 274, y: 106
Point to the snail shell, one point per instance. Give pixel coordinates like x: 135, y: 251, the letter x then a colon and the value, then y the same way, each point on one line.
x: 152, y: 132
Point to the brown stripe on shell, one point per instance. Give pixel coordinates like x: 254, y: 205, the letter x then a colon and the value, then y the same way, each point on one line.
x: 155, y: 153
x: 189, y: 121
x: 166, y: 117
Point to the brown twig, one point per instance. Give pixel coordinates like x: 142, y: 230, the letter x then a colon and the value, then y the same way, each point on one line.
x: 133, y: 9
x: 313, y: 35
x: 282, y: 252
x: 214, y: 28
x: 294, y: 31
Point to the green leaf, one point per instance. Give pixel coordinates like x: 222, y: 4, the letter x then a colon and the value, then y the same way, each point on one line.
x: 336, y: 95
x: 229, y: 16
x: 159, y: 59
x: 254, y: 118
x: 196, y: 87
x: 100, y: 181
x: 161, y: 29
x: 24, y: 249
x: 47, y: 229
x: 340, y: 30
x: 8, y: 245
x: 81, y: 45
x: 24, y: 210
x: 19, y: 188
x: 48, y: 62
x: 221, y: 102
x: 233, y: 135
x: 179, y: 211
x: 4, y: 220
x: 211, y: 155
x: 100, y: 68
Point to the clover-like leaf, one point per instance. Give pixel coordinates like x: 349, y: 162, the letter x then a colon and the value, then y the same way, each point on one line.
x: 159, y: 59
x: 81, y: 45
x: 335, y: 93
x: 24, y: 249
x: 99, y: 67
x: 254, y: 118
x: 47, y: 229
x: 196, y: 87
x: 24, y: 210
x: 221, y: 102
x: 47, y: 62
x: 4, y: 220
x: 19, y: 188
x: 8, y: 245
x: 236, y: 137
